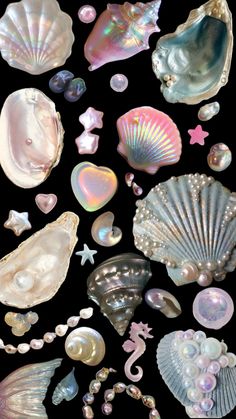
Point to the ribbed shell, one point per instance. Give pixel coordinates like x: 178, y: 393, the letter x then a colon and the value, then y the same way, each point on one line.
x: 170, y: 366
x: 149, y: 139
x: 188, y: 219
x: 35, y: 35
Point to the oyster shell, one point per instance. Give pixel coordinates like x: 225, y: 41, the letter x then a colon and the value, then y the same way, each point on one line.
x: 31, y: 137
x: 35, y: 36
x: 193, y: 63
x: 189, y: 223
x: 34, y: 272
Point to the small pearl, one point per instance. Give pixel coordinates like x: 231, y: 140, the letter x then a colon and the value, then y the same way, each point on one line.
x: 10, y: 349
x: 49, y: 337
x: 94, y: 386
x: 202, y: 361
x: 206, y: 382
x: 106, y: 408
x: 214, y: 367
x: 86, y: 313
x: 36, y: 344
x: 195, y: 395
x: 87, y: 412
x: 189, y: 271
x: 154, y: 414
x: 190, y: 370
x: 23, y: 348
x: 109, y: 395
x: 119, y: 387
x: 23, y: 281
x: 211, y: 347
x: 133, y: 391
x: 223, y: 361
x: 61, y: 329
x: 102, y: 374
x: 88, y: 398
x: 149, y: 401
x: 73, y: 321
x: 119, y: 82
x: 206, y: 404
x: 199, y: 336
x: 205, y: 279
x: 232, y: 359
x: 87, y: 13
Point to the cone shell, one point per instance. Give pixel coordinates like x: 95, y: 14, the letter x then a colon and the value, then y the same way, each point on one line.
x: 35, y: 36
x: 149, y: 139
x: 34, y: 272
x: 116, y: 286
x: 189, y: 224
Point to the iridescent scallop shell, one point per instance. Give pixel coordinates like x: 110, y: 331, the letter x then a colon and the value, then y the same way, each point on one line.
x: 149, y: 139
x: 189, y: 224
x: 35, y: 36
x: 31, y: 137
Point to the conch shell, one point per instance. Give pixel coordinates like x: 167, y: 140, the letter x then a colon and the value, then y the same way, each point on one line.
x: 34, y: 272
x: 31, y: 137
x: 120, y: 32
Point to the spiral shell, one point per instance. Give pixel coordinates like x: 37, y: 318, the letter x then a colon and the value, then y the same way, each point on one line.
x: 66, y: 389
x: 35, y: 36
x: 103, y: 232
x: 86, y: 345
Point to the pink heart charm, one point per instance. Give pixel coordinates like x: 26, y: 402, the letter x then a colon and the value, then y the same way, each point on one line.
x: 46, y: 202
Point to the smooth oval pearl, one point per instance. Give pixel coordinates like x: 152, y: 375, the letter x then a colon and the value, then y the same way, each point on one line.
x: 219, y: 157
x: 190, y: 370
x: 106, y: 408
x: 188, y: 334
x: 206, y: 404
x: 211, y: 347
x: 36, y: 343
x: 87, y: 13
x: 23, y: 281
x: 194, y: 394
x: 75, y: 89
x: 59, y: 82
x: 188, y: 350
x: 202, y: 361
x: 49, y: 337
x: 23, y: 348
x: 119, y: 82
x: 190, y: 271
x: 214, y: 367
x: 206, y: 382
x: 205, y: 279
x: 209, y: 110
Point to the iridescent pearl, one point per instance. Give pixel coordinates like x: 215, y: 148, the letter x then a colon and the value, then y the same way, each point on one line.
x: 106, y: 408
x: 187, y: 383
x: 232, y: 359
x: 205, y: 279
x: 195, y: 395
x: 129, y: 177
x: 87, y: 13
x: 209, y: 110
x: 214, y: 367
x: 119, y: 82
x: 61, y: 329
x: 197, y: 409
x: 23, y: 348
x: 179, y: 335
x: 188, y: 350
x: 202, y: 361
x: 94, y: 386
x: 49, y: 337
x: 86, y: 313
x: 23, y: 281
x: 190, y: 370
x: 137, y: 190
x: 109, y: 395
x: 119, y: 387
x: 88, y: 398
x: 188, y: 334
x: 219, y: 157
x: 154, y: 414
x: 211, y: 347
x: 224, y: 347
x: 102, y: 374
x: 206, y: 404
x: 133, y: 391
x: 223, y: 361
x: 36, y: 343
x: 10, y: 349
x: 149, y: 401
x: 199, y: 336
x: 175, y: 343
x: 75, y: 90
x: 190, y: 271
x: 59, y: 82
x: 73, y: 321
x: 206, y: 382
x: 87, y: 412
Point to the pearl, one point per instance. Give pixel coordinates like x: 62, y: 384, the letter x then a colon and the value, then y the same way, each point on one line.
x: 223, y: 361
x: 87, y: 412
x: 36, y: 343
x: 205, y: 279
x: 188, y: 334
x: 202, y: 361
x: 23, y: 348
x: 32, y: 317
x: 109, y: 395
x: 187, y: 382
x: 189, y: 271
x: 61, y: 329
x: 214, y: 367
x: 199, y: 336
x: 129, y: 177
x: 133, y: 391
x: 59, y: 82
x: 188, y: 350
x: 119, y: 387
x: 49, y: 337
x: 94, y: 386
x: 75, y: 90
x: 219, y: 157
x: 73, y: 321
x: 179, y: 334
x: 154, y: 414
x: 1, y: 344
x: 23, y: 281
x: 190, y: 370
x: 232, y: 359
x: 206, y: 404
x: 194, y: 394
x: 149, y: 401
x: 106, y: 408
x: 211, y: 347
x: 119, y: 82
x: 88, y: 398
x: 10, y: 349
x: 206, y: 382
x: 86, y: 313
x: 87, y: 13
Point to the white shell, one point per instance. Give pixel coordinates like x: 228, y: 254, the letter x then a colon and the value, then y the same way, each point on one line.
x: 86, y: 345
x: 189, y: 224
x: 34, y: 272
x: 35, y: 36
x: 31, y: 137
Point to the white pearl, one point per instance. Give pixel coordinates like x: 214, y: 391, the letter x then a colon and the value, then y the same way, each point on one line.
x: 61, y: 329
x: 232, y: 359
x: 190, y: 271
x: 49, y: 337
x: 212, y: 348
x: 36, y: 343
x: 23, y: 348
x: 23, y: 281
x: 1, y: 344
x: 73, y: 321
x: 10, y: 349
x: 194, y: 394
x: 86, y: 313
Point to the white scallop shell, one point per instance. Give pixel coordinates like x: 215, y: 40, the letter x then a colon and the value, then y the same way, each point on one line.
x: 31, y: 137
x: 188, y: 220
x: 35, y: 35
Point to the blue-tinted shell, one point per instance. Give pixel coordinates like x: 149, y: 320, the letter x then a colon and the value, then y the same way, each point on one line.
x: 66, y: 389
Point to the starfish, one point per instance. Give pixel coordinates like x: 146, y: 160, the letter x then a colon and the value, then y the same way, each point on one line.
x: 18, y: 222
x: 86, y: 254
x: 91, y: 119
x: 87, y: 143
x: 197, y: 135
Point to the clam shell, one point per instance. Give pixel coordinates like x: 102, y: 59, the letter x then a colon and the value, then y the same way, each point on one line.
x: 189, y: 224
x: 31, y: 137
x: 116, y: 286
x: 34, y: 272
x: 35, y: 36
x: 194, y: 62
x: 149, y: 139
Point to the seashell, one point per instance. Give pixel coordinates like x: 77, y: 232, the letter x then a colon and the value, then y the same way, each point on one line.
x: 120, y: 32
x: 34, y: 272
x: 193, y: 63
x: 149, y: 139
x: 219, y: 157
x: 189, y: 224
x: 86, y: 345
x: 163, y: 301
x: 213, y: 308
x: 67, y: 389
x: 35, y: 36
x: 103, y: 232
x: 209, y: 110
x: 194, y: 372
x: 31, y: 137
x: 116, y: 286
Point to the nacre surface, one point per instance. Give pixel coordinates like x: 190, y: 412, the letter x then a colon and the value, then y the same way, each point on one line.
x: 86, y: 345
x: 31, y: 137
x: 219, y: 157
x: 209, y: 110
x: 66, y: 389
x: 103, y: 232
x: 164, y: 301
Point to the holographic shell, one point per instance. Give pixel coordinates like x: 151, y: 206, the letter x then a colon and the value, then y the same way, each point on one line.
x: 193, y: 63
x: 188, y: 223
x: 35, y: 36
x: 149, y: 139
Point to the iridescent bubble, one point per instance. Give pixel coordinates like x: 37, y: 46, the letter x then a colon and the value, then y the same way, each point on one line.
x: 75, y: 90
x: 59, y: 81
x: 87, y: 13
x: 119, y: 82
x: 219, y: 157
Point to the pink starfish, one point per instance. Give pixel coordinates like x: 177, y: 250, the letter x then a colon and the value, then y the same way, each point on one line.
x: 197, y: 135
x: 87, y: 143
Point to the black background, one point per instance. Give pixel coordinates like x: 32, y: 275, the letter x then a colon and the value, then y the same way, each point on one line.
x: 143, y: 89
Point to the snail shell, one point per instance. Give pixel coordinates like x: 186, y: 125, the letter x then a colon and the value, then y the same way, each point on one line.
x: 86, y: 345
x: 103, y: 232
x: 66, y: 389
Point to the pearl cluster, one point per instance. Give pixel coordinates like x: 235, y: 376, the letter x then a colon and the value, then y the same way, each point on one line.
x: 202, y: 359
x: 197, y: 183
x: 161, y: 191
x: 218, y: 11
x: 20, y: 323
x: 230, y: 210
x: 48, y: 337
x: 169, y: 79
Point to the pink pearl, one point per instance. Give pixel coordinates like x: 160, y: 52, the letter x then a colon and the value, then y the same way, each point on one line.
x: 137, y: 190
x: 188, y: 334
x: 106, y: 408
x: 214, y: 367
x: 202, y: 361
x: 36, y: 343
x: 223, y: 361
x: 206, y: 404
x: 129, y: 177
x: 206, y: 382
x: 87, y: 13
x: 205, y: 279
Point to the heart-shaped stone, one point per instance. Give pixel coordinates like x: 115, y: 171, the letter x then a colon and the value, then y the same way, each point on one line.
x: 93, y: 186
x: 46, y: 202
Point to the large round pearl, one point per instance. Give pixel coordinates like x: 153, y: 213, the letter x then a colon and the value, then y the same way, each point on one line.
x: 195, y: 395
x: 23, y: 281
x: 205, y: 279
x: 199, y: 336
x: 119, y: 82
x: 202, y: 361
x: 206, y: 404
x: 206, y: 382
x: 190, y: 370
x: 211, y: 347
x: 189, y: 271
x: 188, y: 350
x: 219, y: 157
x: 87, y: 13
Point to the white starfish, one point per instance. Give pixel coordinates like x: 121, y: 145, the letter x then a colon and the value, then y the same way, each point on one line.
x: 87, y: 143
x: 86, y: 254
x: 18, y: 222
x: 91, y: 119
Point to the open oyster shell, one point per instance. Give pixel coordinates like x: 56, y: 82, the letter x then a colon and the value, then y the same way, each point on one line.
x: 31, y: 137
x: 34, y: 272
x: 193, y: 63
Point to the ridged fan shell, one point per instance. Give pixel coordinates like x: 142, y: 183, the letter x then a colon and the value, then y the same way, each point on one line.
x: 35, y: 36
x: 149, y: 139
x: 189, y: 219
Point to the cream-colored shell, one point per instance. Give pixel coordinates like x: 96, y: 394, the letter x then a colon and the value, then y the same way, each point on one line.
x: 86, y: 345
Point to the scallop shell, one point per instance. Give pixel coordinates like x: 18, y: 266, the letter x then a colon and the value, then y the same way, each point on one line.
x: 31, y: 137
x: 189, y: 224
x: 194, y: 62
x: 35, y: 36
x: 116, y: 286
x: 34, y: 272
x: 149, y: 139
x: 170, y: 366
x: 66, y: 389
x: 86, y: 345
